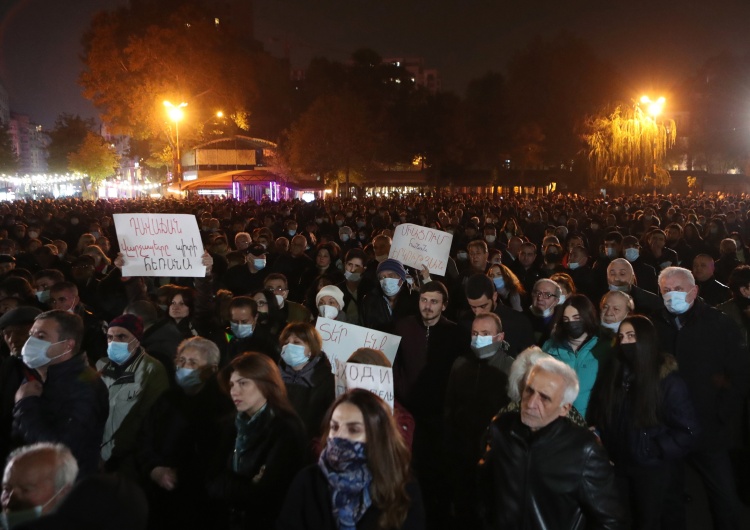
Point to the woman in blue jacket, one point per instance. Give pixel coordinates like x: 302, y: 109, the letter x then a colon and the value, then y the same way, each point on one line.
x: 575, y: 341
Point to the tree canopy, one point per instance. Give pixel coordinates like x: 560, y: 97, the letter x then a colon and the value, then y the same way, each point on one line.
x: 65, y: 137
x: 95, y: 158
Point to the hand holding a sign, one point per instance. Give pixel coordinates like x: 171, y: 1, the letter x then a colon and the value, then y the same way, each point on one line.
x: 207, y: 262
x: 119, y: 261
x: 425, y: 274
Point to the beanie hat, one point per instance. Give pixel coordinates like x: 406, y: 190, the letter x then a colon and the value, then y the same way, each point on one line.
x: 132, y: 323
x: 331, y: 290
x: 393, y: 265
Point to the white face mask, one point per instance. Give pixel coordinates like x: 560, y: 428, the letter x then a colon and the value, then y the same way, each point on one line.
x: 614, y: 326
x: 328, y: 311
x: 280, y: 300
x: 34, y: 352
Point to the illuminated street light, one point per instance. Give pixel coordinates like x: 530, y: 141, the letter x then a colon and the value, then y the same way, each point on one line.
x: 176, y: 114
x: 654, y: 107
x: 219, y: 114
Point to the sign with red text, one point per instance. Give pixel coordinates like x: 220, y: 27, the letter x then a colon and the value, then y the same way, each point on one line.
x: 376, y: 379
x: 341, y: 339
x: 415, y: 246
x: 160, y: 244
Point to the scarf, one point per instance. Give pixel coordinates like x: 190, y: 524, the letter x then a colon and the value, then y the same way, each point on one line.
x: 246, y: 427
x: 344, y: 465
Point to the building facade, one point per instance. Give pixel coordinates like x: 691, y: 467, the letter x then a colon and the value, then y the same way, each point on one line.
x: 30, y: 144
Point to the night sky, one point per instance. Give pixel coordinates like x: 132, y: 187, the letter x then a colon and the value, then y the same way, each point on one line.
x: 656, y: 43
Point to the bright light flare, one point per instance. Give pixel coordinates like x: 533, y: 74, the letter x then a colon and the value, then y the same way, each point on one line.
x: 654, y: 107
x: 175, y: 113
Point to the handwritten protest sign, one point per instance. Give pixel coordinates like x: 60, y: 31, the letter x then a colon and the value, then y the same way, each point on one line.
x: 415, y: 245
x: 376, y: 379
x: 159, y: 244
x: 340, y: 340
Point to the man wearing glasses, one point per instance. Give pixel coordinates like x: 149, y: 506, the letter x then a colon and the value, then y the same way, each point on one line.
x: 278, y: 285
x: 541, y: 312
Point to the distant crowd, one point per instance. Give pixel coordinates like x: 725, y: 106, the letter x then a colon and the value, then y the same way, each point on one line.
x: 576, y: 356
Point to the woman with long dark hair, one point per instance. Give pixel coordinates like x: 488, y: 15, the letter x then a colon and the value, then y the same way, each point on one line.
x: 575, y: 341
x: 263, y: 448
x: 642, y: 411
x: 362, y: 478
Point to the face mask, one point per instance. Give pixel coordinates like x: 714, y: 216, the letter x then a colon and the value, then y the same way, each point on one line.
x: 187, y: 379
x: 573, y: 265
x: 483, y: 347
x: 631, y: 254
x: 611, y: 252
x: 621, y: 288
x: 33, y: 235
x: 614, y: 326
x: 344, y: 237
x: 499, y: 282
x: 118, y: 352
x: 43, y: 296
x: 319, y: 220
x: 13, y: 519
x: 164, y: 307
x: 291, y: 232
x: 352, y: 276
x: 390, y: 286
x: 34, y: 352
x: 343, y: 455
x: 462, y: 256
x: 573, y: 328
x: 538, y: 312
x: 490, y: 239
x: 339, y: 223
x: 241, y: 331
x: 294, y: 354
x: 562, y: 299
x: 628, y: 353
x: 360, y: 224
x: 280, y: 300
x: 95, y: 234
x: 675, y: 302
x: 259, y: 264
x: 328, y: 311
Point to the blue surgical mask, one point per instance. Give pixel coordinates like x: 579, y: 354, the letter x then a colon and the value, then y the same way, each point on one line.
x: 499, y: 282
x: 241, y: 331
x: 484, y: 347
x: 621, y: 288
x: 187, y: 379
x: 573, y: 265
x: 291, y: 232
x: 390, y: 286
x: 259, y: 264
x: 43, y: 296
x: 118, y: 352
x: 675, y: 302
x: 631, y: 254
x: 294, y: 354
x: 344, y: 238
x: 614, y: 326
x: 352, y: 276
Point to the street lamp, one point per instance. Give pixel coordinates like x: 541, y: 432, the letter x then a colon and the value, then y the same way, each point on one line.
x: 175, y: 114
x: 654, y: 109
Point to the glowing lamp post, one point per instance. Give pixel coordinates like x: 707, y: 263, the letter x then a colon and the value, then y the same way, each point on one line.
x: 176, y: 114
x: 654, y: 108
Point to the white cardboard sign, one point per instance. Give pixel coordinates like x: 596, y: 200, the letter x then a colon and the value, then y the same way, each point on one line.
x: 341, y: 339
x: 160, y: 244
x: 415, y: 245
x: 376, y: 379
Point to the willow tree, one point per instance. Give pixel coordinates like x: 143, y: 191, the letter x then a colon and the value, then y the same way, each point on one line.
x: 627, y: 148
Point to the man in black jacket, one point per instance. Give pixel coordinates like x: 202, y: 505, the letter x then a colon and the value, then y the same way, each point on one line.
x: 67, y: 402
x: 542, y: 471
x: 712, y: 356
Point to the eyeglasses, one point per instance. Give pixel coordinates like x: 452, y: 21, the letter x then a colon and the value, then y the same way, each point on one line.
x: 279, y: 290
x: 542, y: 294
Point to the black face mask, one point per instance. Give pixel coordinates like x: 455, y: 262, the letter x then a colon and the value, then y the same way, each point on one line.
x: 573, y: 328
x: 552, y: 257
x: 628, y: 353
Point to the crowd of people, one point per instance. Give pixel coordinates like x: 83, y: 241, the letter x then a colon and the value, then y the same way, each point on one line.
x: 576, y: 356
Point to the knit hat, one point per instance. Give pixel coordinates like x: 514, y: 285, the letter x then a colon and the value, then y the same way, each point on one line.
x: 331, y: 290
x: 393, y: 265
x: 132, y: 323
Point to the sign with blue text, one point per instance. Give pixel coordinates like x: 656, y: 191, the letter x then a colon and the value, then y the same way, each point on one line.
x: 415, y: 246
x: 160, y: 244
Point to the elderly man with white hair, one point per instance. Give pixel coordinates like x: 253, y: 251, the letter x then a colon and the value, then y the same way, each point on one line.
x: 536, y: 457
x: 712, y: 355
x: 36, y: 479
